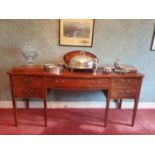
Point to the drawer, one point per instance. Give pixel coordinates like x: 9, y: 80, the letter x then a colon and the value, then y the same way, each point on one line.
x: 27, y: 81
x: 95, y: 83
x: 77, y: 83
x: 125, y: 82
x: 29, y: 91
x: 123, y: 93
x: 28, y: 86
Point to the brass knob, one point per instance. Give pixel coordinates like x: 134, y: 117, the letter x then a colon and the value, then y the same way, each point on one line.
x: 57, y: 81
x: 128, y: 81
x: 121, y: 92
x: 25, y: 90
x: 127, y: 92
x: 28, y: 90
x: 31, y: 90
x: 122, y: 81
x: 93, y: 82
x: 27, y: 79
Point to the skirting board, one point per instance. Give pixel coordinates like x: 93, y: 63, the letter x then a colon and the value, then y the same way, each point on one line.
x: 54, y: 104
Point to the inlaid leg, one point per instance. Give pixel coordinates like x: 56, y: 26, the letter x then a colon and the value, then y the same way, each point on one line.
x: 27, y: 103
x: 15, y: 111
x: 45, y: 111
x: 106, y: 112
x: 120, y: 104
x: 134, y: 112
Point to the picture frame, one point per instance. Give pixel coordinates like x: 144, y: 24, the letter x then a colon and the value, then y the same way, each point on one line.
x: 153, y: 42
x: 76, y: 32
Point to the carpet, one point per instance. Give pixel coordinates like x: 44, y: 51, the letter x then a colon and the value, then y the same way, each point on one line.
x: 77, y: 122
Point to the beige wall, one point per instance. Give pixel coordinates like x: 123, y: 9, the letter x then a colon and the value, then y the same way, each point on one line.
x: 128, y: 40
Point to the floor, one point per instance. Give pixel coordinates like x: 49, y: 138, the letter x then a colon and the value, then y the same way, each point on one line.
x: 77, y: 121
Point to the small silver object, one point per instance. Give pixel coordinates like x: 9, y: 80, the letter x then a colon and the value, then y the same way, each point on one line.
x: 117, y: 64
x: 107, y: 69
x: 95, y: 66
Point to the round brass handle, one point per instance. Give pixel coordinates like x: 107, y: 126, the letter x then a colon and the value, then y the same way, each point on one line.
x: 96, y: 82
x: 93, y: 82
x: 28, y: 90
x: 31, y: 90
x: 127, y: 91
x: 128, y: 81
x: 57, y: 81
x: 121, y: 92
x: 122, y: 81
x: 25, y: 90
x: 27, y: 80
x: 99, y: 81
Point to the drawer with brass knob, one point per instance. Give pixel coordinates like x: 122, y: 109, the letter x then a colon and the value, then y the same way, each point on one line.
x: 123, y: 93
x: 27, y: 80
x: 28, y: 86
x: 29, y: 91
x: 125, y: 82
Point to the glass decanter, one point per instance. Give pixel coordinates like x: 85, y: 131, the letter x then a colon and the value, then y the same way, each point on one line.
x: 29, y: 53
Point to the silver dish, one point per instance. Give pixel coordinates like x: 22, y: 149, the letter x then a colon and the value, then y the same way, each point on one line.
x: 107, y: 69
x: 81, y: 68
x: 81, y: 61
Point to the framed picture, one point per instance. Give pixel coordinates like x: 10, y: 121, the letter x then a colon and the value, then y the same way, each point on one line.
x: 76, y: 32
x: 153, y: 42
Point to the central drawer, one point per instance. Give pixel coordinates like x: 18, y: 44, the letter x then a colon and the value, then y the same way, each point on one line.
x: 77, y: 83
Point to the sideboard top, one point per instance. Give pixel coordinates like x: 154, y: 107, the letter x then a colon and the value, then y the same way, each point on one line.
x: 39, y: 71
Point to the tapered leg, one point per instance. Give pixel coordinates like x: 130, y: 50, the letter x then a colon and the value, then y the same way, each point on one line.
x: 134, y: 112
x: 15, y: 111
x: 27, y: 103
x: 120, y: 104
x: 45, y: 111
x: 106, y: 112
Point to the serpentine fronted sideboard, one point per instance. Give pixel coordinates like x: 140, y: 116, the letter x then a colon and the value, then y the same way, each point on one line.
x: 34, y: 82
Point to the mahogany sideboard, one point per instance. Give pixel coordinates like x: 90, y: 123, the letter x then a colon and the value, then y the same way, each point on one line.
x: 34, y: 82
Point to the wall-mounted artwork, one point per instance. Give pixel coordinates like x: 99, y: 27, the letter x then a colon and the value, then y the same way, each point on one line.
x: 153, y: 43
x: 76, y: 32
